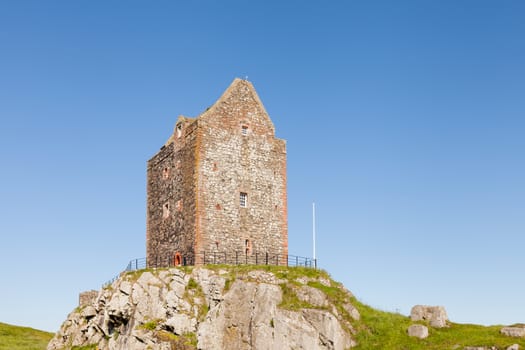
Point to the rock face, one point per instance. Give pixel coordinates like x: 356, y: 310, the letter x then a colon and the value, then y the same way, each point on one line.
x: 436, y: 315
x: 210, y: 309
x: 418, y: 331
x: 518, y: 332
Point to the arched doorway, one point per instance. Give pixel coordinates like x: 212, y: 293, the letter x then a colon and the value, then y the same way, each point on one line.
x: 177, y: 259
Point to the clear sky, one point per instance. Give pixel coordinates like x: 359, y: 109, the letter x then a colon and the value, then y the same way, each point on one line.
x: 404, y: 121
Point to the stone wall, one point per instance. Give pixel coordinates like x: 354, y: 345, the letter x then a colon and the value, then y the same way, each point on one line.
x: 195, y: 181
x: 171, y: 199
x: 234, y: 160
x: 87, y: 298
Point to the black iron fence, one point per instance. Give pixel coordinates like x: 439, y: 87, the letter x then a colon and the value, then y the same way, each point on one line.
x: 218, y: 258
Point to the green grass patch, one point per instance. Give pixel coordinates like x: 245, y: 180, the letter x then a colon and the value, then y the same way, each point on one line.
x: 23, y: 338
x: 150, y: 325
x: 85, y: 347
x: 186, y: 341
x: 385, y: 330
x: 195, y: 293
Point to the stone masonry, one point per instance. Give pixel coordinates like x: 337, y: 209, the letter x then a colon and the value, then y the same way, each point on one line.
x: 218, y: 185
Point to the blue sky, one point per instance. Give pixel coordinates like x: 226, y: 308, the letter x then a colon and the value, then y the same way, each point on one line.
x: 404, y: 122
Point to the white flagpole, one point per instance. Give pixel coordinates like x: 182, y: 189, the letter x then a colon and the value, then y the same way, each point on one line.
x: 313, y: 227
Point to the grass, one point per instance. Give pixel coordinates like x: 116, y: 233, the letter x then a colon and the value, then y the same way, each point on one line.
x: 150, y: 325
x: 385, y: 330
x: 85, y: 347
x: 22, y: 338
x: 194, y: 292
x: 186, y: 341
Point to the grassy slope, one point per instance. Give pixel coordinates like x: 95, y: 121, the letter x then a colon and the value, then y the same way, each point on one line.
x: 385, y: 330
x: 22, y: 338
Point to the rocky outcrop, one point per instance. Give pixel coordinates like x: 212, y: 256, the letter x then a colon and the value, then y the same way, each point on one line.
x: 418, y: 331
x: 204, y: 308
x: 435, y: 315
x: 518, y: 332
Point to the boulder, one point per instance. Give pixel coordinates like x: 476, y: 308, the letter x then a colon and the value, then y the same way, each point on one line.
x: 435, y: 315
x: 514, y: 347
x: 418, y: 331
x: 518, y: 332
x: 352, y: 311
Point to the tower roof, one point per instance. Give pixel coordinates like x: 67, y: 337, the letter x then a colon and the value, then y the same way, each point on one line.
x: 239, y: 94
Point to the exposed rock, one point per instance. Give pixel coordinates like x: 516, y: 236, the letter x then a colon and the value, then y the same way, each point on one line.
x: 518, y: 332
x: 312, y: 296
x: 352, y: 311
x: 514, y: 347
x: 435, y: 315
x: 153, y: 309
x: 418, y: 331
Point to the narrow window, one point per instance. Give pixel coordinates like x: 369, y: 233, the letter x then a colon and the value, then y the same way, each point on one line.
x: 165, y: 173
x: 166, y: 210
x: 244, y: 199
x: 248, y: 247
x: 179, y: 130
x: 244, y: 130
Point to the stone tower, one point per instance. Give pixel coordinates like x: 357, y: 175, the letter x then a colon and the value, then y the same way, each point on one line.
x: 217, y: 188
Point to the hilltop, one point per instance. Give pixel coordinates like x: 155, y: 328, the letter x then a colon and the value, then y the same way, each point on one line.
x: 251, y: 307
x: 22, y: 338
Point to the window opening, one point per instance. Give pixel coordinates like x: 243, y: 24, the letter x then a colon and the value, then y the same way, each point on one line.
x: 166, y: 210
x: 244, y: 130
x: 243, y: 199
x: 165, y: 173
x: 179, y: 130
x: 248, y: 247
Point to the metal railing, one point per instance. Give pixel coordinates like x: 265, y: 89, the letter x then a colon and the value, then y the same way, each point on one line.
x: 219, y: 258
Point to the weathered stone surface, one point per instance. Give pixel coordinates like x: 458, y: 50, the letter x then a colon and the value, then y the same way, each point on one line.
x: 130, y: 313
x: 195, y: 180
x: 518, y: 332
x: 312, y: 296
x: 418, y: 331
x: 86, y: 298
x: 352, y: 311
x: 514, y: 347
x: 436, y: 315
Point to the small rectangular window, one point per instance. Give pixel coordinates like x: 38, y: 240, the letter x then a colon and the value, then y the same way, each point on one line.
x: 179, y: 130
x: 244, y: 199
x: 166, y: 210
x: 244, y: 130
